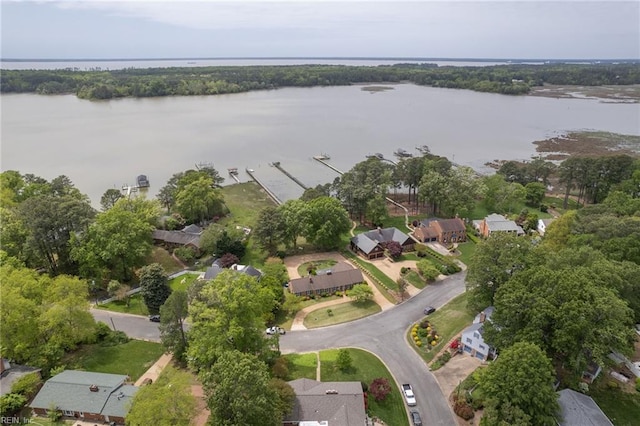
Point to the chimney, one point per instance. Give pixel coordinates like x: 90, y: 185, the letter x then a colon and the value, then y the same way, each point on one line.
x: 483, y: 317
x: 310, y: 279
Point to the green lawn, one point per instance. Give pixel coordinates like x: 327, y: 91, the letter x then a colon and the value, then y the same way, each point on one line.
x: 244, y: 200
x: 302, y: 366
x: 318, y: 264
x: 136, y: 306
x: 44, y: 421
x: 391, y: 284
x: 344, y: 312
x: 623, y: 409
x: 284, y: 320
x: 415, y: 280
x: 449, y: 320
x: 367, y: 367
x: 466, y: 251
x: 132, y: 358
x: 182, y: 282
x: 163, y: 257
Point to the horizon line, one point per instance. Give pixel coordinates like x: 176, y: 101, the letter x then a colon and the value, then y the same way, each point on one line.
x: 361, y: 58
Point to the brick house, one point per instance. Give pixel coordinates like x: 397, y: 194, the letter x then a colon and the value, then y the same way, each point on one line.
x: 341, y: 277
x: 88, y: 396
x: 444, y: 231
x: 188, y: 236
x: 496, y: 223
x: 370, y: 245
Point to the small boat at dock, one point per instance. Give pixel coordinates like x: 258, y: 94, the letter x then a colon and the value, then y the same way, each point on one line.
x: 322, y: 156
x: 142, y: 181
x: 376, y: 155
x: 401, y: 153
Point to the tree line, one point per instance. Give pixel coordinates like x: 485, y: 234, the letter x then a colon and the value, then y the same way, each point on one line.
x: 514, y: 79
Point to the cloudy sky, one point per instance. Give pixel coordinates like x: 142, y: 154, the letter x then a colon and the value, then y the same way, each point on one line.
x: 428, y: 29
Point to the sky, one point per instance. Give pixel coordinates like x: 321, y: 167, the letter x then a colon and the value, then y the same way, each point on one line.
x: 542, y: 29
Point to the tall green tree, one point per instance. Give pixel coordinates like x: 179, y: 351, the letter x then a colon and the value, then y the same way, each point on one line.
x: 239, y: 392
x: 521, y: 378
x: 270, y: 229
x: 364, y: 181
x: 155, y: 286
x: 325, y: 222
x: 199, y: 200
x: 172, y: 315
x: 228, y: 314
x: 109, y: 198
x: 114, y: 244
x: 494, y: 262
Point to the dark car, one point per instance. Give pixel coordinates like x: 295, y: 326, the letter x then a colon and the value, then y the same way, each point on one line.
x: 154, y: 318
x: 415, y: 418
x: 429, y: 310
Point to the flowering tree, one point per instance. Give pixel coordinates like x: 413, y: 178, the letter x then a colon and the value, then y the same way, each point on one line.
x: 380, y: 388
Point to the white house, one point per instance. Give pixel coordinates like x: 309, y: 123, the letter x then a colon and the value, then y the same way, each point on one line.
x: 472, y: 337
x: 542, y: 225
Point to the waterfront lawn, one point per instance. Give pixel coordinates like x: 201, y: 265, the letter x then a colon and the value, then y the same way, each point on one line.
x: 136, y: 306
x: 132, y: 358
x: 449, y: 320
x: 344, y: 312
x: 163, y: 257
x: 244, y: 201
x: 182, y: 282
x: 302, y: 366
x: 366, y: 367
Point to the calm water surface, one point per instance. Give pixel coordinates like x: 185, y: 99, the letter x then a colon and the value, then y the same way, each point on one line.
x: 105, y: 144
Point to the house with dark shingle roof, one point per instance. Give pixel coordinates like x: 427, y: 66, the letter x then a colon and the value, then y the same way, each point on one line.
x: 84, y: 395
x: 341, y: 277
x: 371, y: 244
x: 9, y: 373
x: 444, y: 231
x: 188, y: 236
x: 329, y: 403
x: 215, y: 269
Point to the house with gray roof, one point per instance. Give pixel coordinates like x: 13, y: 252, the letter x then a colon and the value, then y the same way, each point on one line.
x: 327, y: 403
x: 10, y: 372
x: 371, y: 244
x: 444, y: 231
x: 341, y: 277
x: 472, y: 339
x: 497, y: 223
x: 188, y: 236
x: 215, y: 269
x: 577, y: 409
x: 84, y: 395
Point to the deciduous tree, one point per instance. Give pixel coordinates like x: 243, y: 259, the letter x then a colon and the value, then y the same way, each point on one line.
x: 360, y: 293
x: 172, y: 315
x: 155, y: 286
x: 325, y: 222
x: 109, y: 198
x: 380, y: 388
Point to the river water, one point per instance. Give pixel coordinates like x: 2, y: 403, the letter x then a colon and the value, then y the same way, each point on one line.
x: 105, y: 144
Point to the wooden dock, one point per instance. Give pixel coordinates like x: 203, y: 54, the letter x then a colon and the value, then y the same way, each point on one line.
x: 277, y: 165
x: 320, y: 160
x: 273, y: 196
x: 233, y: 172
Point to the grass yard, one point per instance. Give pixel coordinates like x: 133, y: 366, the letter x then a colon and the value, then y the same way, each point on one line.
x: 244, y: 201
x: 136, y: 306
x: 317, y: 264
x: 367, y: 367
x: 466, y: 251
x: 415, y: 280
x: 302, y: 366
x: 183, y: 281
x: 132, y: 358
x: 344, y: 312
x: 163, y: 257
x: 622, y: 408
x: 284, y: 320
x: 449, y: 320
x: 388, y: 282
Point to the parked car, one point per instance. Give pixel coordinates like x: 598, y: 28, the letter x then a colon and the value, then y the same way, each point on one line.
x: 275, y: 330
x: 154, y: 318
x: 415, y: 418
x: 429, y: 310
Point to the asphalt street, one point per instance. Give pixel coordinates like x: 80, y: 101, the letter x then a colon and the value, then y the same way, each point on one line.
x: 382, y: 334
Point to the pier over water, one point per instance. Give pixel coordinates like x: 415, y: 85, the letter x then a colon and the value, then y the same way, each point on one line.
x: 273, y: 196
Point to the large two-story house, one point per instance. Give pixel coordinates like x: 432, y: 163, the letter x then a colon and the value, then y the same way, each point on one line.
x: 370, y: 245
x: 472, y: 337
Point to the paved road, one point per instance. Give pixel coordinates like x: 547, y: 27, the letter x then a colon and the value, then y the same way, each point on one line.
x: 135, y: 326
x: 382, y: 333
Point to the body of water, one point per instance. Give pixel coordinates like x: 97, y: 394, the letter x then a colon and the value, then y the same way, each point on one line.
x: 105, y: 144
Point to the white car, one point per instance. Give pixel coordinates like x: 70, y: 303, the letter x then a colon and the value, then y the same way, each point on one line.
x: 275, y: 330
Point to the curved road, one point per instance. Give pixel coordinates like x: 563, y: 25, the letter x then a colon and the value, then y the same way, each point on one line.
x: 383, y: 334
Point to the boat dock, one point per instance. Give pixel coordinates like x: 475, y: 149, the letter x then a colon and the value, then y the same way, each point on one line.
x: 320, y: 159
x: 277, y: 165
x: 273, y: 196
x: 233, y: 172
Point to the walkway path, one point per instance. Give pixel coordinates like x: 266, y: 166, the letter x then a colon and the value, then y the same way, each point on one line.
x: 154, y: 371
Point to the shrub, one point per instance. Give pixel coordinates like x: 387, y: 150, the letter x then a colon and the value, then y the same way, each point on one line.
x: 343, y: 361
x: 186, y: 254
x: 419, y: 343
x: 365, y: 387
x: 27, y: 385
x: 463, y: 409
x: 11, y: 403
x: 380, y: 388
x: 280, y: 368
x: 228, y: 259
x: 425, y: 324
x: 544, y: 208
x: 638, y: 384
x: 422, y: 332
x: 403, y: 270
x: 330, y: 312
x: 612, y: 384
